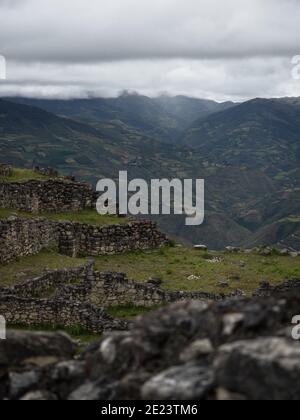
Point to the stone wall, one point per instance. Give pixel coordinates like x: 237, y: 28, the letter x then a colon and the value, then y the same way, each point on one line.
x: 57, y: 312
x: 23, y: 237
x: 84, y: 284
x: 113, y: 289
x: 77, y: 239
x: 76, y: 297
x: 40, y: 301
x: 266, y: 289
x: 49, y: 196
x: 50, y: 281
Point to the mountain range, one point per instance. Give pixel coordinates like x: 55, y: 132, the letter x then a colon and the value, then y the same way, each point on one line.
x: 247, y: 152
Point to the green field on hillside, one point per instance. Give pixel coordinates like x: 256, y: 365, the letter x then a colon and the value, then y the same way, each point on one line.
x: 22, y: 175
x: 90, y: 217
x: 32, y: 266
x: 179, y: 268
x: 190, y: 270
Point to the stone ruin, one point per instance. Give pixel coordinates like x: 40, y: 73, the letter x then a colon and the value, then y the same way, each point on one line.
x: 20, y: 237
x: 47, y: 196
x: 239, y: 349
x: 71, y: 305
x: 79, y: 297
x: 202, y: 347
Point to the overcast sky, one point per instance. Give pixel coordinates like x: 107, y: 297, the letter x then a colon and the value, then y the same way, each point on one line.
x: 233, y: 49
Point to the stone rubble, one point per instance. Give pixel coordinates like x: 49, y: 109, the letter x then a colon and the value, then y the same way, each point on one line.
x: 237, y: 349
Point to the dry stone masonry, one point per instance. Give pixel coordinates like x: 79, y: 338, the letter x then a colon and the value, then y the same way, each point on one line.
x: 77, y: 239
x: 58, y: 313
x: 48, y: 196
x: 114, y: 289
x: 86, y: 285
x: 239, y: 349
x: 21, y: 237
x: 41, y: 301
x: 77, y: 296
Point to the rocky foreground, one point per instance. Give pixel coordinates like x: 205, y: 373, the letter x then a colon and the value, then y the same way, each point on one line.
x: 240, y: 349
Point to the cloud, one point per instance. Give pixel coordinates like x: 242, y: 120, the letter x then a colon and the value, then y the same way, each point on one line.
x: 198, y: 47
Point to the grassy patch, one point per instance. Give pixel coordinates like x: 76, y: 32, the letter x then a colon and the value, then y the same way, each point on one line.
x: 191, y: 270
x: 29, y: 267
x: 179, y: 268
x: 90, y: 217
x: 22, y: 175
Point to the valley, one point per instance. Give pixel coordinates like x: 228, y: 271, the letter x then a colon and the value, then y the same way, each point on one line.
x: 247, y: 153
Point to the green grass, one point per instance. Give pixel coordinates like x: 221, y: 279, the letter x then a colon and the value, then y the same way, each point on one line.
x: 29, y: 267
x: 90, y: 217
x: 175, y: 265
x: 22, y: 175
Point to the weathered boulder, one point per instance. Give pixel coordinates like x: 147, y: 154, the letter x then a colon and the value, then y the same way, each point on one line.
x: 22, y: 382
x: 188, y: 382
x: 23, y: 348
x: 197, y: 350
x: 262, y: 369
x: 39, y: 396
